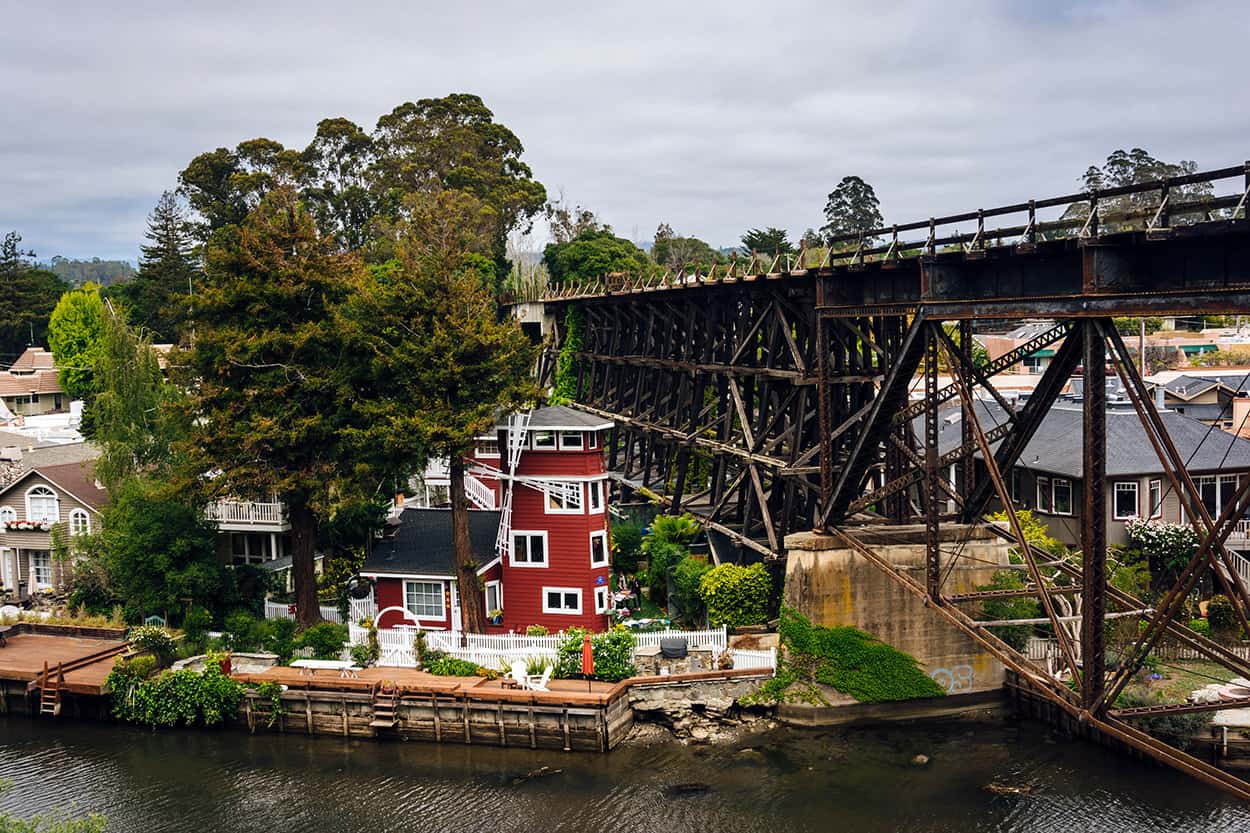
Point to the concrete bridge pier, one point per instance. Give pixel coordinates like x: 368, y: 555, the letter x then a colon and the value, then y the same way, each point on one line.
x: 834, y: 586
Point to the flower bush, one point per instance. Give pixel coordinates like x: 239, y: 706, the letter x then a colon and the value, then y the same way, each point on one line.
x: 1168, y: 547
x: 156, y: 639
x: 28, y: 526
x: 174, y: 698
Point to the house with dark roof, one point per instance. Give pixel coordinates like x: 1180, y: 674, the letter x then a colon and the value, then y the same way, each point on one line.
x: 30, y: 506
x: 1206, y: 399
x: 1049, y: 478
x: 413, y: 566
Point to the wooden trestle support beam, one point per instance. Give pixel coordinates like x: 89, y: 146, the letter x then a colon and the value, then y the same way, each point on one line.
x: 813, y: 397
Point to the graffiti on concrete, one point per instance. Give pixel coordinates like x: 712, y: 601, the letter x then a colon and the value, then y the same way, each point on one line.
x: 955, y: 679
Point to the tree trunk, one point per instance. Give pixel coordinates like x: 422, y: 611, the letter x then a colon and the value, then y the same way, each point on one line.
x: 472, y: 612
x: 303, y: 569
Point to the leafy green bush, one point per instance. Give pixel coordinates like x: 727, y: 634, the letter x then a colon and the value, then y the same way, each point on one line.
x: 196, y: 624
x: 277, y: 636
x: 686, y: 577
x: 445, y: 666
x: 155, y: 639
x: 326, y: 640
x: 243, y: 631
x: 672, y: 529
x: 174, y: 698
x: 1179, y: 730
x: 362, y: 656
x: 1222, y: 618
x: 845, y: 659
x: 613, y: 652
x: 55, y: 821
x: 536, y: 630
x: 567, y: 363
x: 1200, y: 626
x: 735, y: 595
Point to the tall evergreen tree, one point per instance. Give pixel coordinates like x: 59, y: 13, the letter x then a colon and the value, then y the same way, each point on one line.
x: 27, y: 299
x: 267, y: 404
x: 852, y: 207
x: 767, y: 241
x: 441, y: 362
x: 167, y: 271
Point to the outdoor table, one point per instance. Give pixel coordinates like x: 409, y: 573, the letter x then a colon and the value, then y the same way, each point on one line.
x: 346, y: 669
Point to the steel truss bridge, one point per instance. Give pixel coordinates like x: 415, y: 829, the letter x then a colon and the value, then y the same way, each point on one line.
x: 772, y: 395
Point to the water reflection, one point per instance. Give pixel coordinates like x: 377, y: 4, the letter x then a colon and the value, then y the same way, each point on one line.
x: 859, y: 780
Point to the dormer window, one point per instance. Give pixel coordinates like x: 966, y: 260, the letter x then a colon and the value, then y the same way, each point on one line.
x: 487, y: 448
x: 571, y: 440
x: 42, y: 505
x: 544, y: 439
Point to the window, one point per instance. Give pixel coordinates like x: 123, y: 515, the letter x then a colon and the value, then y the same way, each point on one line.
x: 488, y: 448
x: 1016, y: 484
x: 601, y: 600
x: 571, y: 440
x: 42, y: 505
x: 7, y: 513
x: 1043, y: 494
x: 529, y: 549
x: 1061, y: 496
x: 598, y: 549
x: 594, y: 491
x: 1125, y: 505
x: 424, y: 599
x: 494, y: 596
x: 1156, y: 498
x: 544, y: 439
x: 592, y: 439
x: 562, y: 600
x: 250, y: 548
x: 41, y: 567
x: 564, y: 498
x: 79, y: 522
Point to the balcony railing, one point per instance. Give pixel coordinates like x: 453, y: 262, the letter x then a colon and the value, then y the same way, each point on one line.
x: 246, y: 512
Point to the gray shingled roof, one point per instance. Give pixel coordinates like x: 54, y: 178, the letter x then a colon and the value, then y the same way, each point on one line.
x: 559, y: 416
x: 423, y: 546
x: 1056, y: 446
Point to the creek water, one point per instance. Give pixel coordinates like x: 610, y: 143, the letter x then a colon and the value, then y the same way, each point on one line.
x: 858, y: 780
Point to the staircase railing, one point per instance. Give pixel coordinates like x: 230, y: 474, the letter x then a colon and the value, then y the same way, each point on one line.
x: 518, y: 432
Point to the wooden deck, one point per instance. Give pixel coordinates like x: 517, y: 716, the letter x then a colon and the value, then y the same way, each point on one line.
x: 412, y: 681
x: 88, y: 661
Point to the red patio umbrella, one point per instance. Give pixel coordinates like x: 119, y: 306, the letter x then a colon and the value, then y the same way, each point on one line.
x: 588, y: 659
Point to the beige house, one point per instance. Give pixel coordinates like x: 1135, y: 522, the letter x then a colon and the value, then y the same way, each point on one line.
x: 30, y: 507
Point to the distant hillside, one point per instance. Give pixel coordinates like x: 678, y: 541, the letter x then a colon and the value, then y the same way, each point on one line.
x: 78, y: 272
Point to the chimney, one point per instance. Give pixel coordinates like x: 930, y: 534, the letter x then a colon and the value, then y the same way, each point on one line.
x: 1159, y: 397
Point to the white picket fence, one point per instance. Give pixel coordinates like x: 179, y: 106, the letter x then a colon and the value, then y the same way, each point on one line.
x: 498, y: 650
x: 357, y: 609
x: 763, y: 660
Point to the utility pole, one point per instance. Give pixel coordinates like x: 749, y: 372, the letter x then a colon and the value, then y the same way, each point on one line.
x: 1141, y: 346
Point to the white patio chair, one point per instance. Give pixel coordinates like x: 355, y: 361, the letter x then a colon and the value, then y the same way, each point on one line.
x: 537, y: 682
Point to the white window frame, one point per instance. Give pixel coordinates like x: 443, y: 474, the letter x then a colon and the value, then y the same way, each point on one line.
x: 601, y: 535
x: 579, y: 492
x: 56, y: 504
x: 79, y: 517
x: 35, y: 569
x: 527, y: 534
x: 545, y: 446
x: 1125, y: 486
x: 248, y: 556
x: 477, y: 447
x: 1042, y: 487
x: 497, y: 586
x: 1054, y: 504
x: 1155, y: 493
x: 563, y: 591
x: 592, y: 440
x: 594, y: 497
x: 601, y: 599
x: 581, y: 441
x: 442, y: 599
x: 7, y: 513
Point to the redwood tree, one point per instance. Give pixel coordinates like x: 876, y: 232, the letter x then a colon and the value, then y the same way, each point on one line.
x: 267, y: 399
x: 441, y: 362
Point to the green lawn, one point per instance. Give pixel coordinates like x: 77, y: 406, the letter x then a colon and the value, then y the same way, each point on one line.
x: 1180, y: 677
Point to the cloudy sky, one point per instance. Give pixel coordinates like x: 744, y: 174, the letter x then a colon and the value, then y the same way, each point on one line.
x: 713, y: 117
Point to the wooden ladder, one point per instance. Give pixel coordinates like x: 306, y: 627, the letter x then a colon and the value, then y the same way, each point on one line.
x: 385, y: 707
x: 50, y: 686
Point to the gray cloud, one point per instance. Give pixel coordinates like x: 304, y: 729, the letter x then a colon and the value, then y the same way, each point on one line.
x: 713, y: 117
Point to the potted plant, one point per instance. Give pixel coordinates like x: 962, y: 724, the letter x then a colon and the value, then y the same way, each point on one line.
x: 496, y: 617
